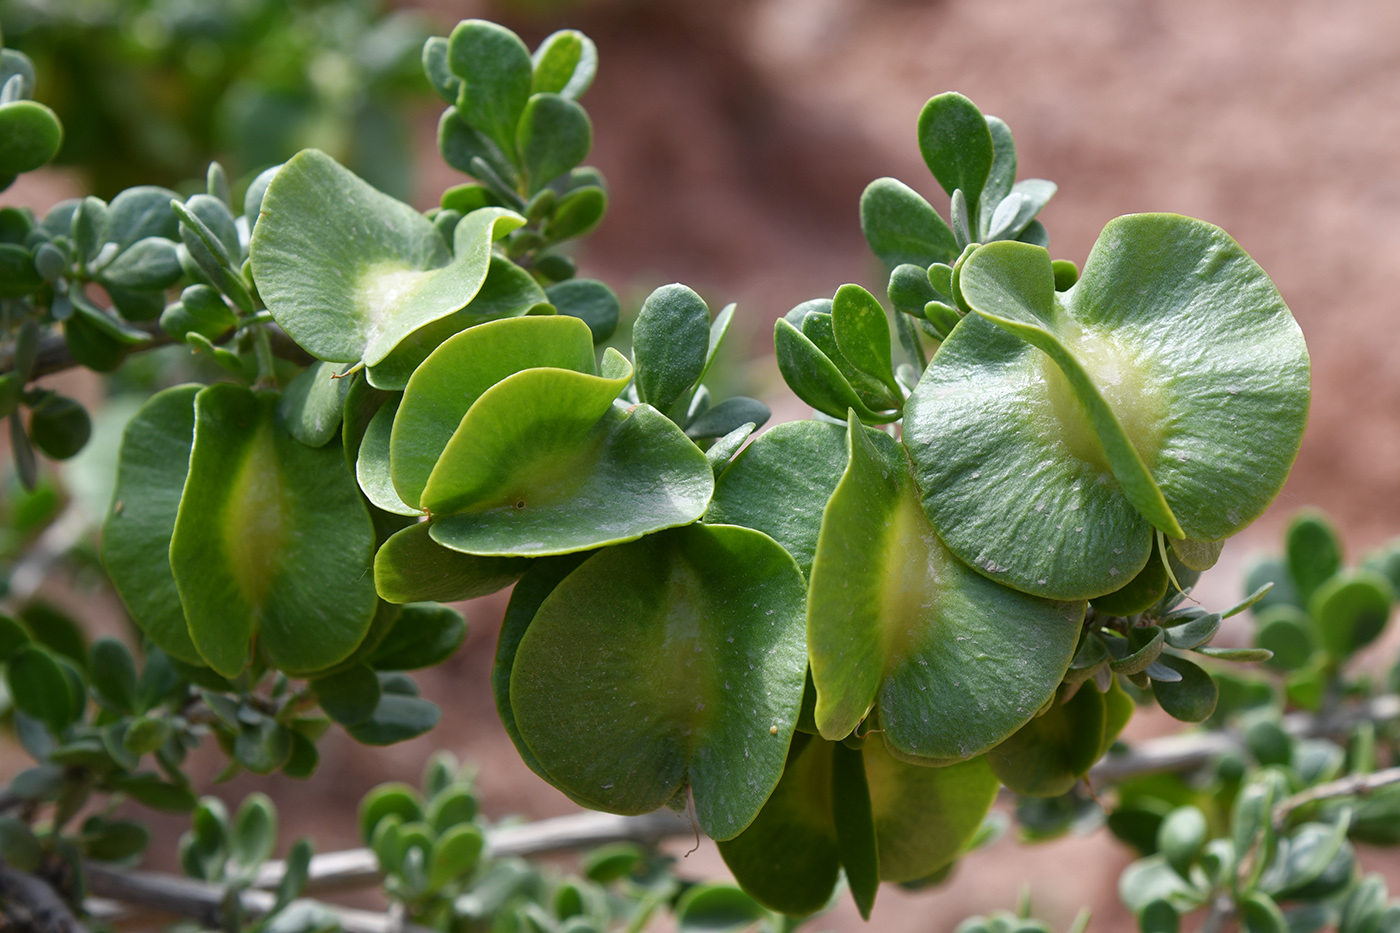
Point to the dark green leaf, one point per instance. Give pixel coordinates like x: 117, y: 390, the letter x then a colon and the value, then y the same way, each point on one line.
x: 670, y: 341
x: 1350, y: 609
x: 59, y: 426
x: 576, y: 213
x: 589, y: 300
x: 554, y: 136
x: 38, y: 686
x: 496, y: 73
x: 716, y: 908
x: 426, y: 634
x: 1191, y: 699
x: 855, y: 825
x: 113, y: 674
x: 901, y: 227
x: 396, y: 719
x: 148, y: 788
x: 350, y: 696
x: 957, y: 145
x: 1049, y: 755
x: 727, y: 416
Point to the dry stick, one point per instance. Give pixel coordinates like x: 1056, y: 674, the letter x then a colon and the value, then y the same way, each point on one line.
x: 1350, y: 786
x: 31, y: 904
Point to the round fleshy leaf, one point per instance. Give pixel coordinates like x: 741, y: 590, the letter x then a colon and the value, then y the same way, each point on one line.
x: 372, y: 467
x: 313, y: 403
x: 1313, y: 553
x: 895, y: 620
x: 395, y: 272
x: 509, y: 291
x: 1289, y: 633
x: 1048, y: 756
x: 862, y: 334
x: 780, y: 484
x: 670, y: 343
x: 554, y: 136
x: 411, y: 566
x: 425, y: 634
x: 565, y: 64
x: 591, y: 301
x: 544, y: 464
x: 1190, y: 699
x: 788, y: 858
x: 815, y: 379
x: 455, y: 375
x: 956, y: 144
x: 1350, y: 610
x: 271, y: 540
x: 151, y: 470
x: 924, y: 817
x: 30, y: 135
x: 694, y: 675
x: 496, y: 74
x: 901, y: 227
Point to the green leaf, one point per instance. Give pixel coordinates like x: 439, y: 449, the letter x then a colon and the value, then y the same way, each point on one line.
x: 993, y: 427
x: 461, y: 144
x: 1289, y: 634
x: 411, y: 566
x: 1137, y: 652
x: 151, y: 471
x: 435, y: 67
x: 788, y: 858
x: 901, y: 227
x: 425, y: 635
x: 543, y: 463
x: 670, y: 343
x: 396, y: 719
x: 38, y: 687
x: 148, y: 788
x: 728, y: 416
x: 576, y: 213
x: 350, y: 696
x: 684, y: 684
x: 19, y: 847
x: 1191, y: 699
x: 373, y: 468
x: 455, y: 854
x: 819, y: 328
x: 957, y: 145
x: 589, y: 300
x: 271, y: 540
x: 254, y: 832
x: 113, y: 674
x: 855, y: 826
x: 564, y: 64
x: 141, y: 212
x: 863, y: 333
x: 296, y: 871
x: 454, y: 804
x: 496, y: 73
x: 262, y: 745
x: 18, y: 276
x: 30, y: 135
x: 1002, y: 176
x: 1350, y: 610
x: 509, y: 291
x: 553, y: 137
x: 712, y: 908
x: 1181, y: 836
x: 895, y: 620
x: 457, y: 373
x: 394, y: 798
x: 1048, y: 756
x: 59, y: 426
x: 313, y: 403
x: 1159, y: 917
x: 1139, y: 594
x: 13, y: 636
x: 396, y: 274
x: 1197, y: 555
x: 1259, y: 914
x: 815, y: 379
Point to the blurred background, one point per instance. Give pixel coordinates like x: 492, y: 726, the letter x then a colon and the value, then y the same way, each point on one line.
x: 737, y: 136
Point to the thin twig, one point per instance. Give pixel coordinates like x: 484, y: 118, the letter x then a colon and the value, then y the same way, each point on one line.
x: 30, y: 904
x: 1350, y: 786
x: 203, y: 902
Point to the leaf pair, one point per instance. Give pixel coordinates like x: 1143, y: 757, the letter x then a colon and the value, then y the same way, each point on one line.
x: 225, y: 531
x: 351, y: 273
x: 1167, y: 388
x: 509, y: 438
x: 692, y: 678
x: 836, y: 356
x: 858, y: 809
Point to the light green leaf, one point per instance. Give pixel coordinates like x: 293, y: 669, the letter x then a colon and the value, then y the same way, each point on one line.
x: 565, y: 64
x: 411, y: 566
x: 1002, y: 176
x: 863, y: 334
x: 496, y: 73
x: 313, y: 403
x: 1350, y: 610
x: 30, y: 135
x: 455, y: 853
x: 895, y: 619
x: 544, y: 463
x: 395, y: 272
x: 901, y: 227
x: 1314, y: 552
x: 554, y: 136
x: 685, y: 684
x: 372, y: 467
x: 957, y: 146
x: 455, y: 375
x: 271, y: 539
x: 780, y: 484
x: 151, y: 470
x: 670, y: 343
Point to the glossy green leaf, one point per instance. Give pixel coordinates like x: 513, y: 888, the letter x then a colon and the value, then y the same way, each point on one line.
x: 458, y: 372
x: 1191, y: 699
x: 554, y: 136
x: 373, y: 467
x: 956, y: 144
x: 925, y: 817
x: 39, y: 687
x: 350, y: 696
x: 30, y: 135
x: 543, y: 463
x: 496, y: 73
x: 151, y: 470
x: 396, y: 274
x: 426, y: 634
x: 1198, y: 555
x: 670, y: 343
x: 313, y: 403
x: 509, y: 291
x: 819, y: 328
x: 411, y: 566
x: 1350, y: 610
x: 591, y: 301
x: 901, y: 227
x: 565, y: 64
x: 1048, y: 756
x: 271, y: 539
x: 788, y: 859
x: 894, y: 619
x: 685, y: 684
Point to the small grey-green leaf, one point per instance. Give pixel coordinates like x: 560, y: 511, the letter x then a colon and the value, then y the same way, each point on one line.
x: 670, y: 341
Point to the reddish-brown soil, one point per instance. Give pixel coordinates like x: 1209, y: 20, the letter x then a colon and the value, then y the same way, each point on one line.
x: 737, y: 137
